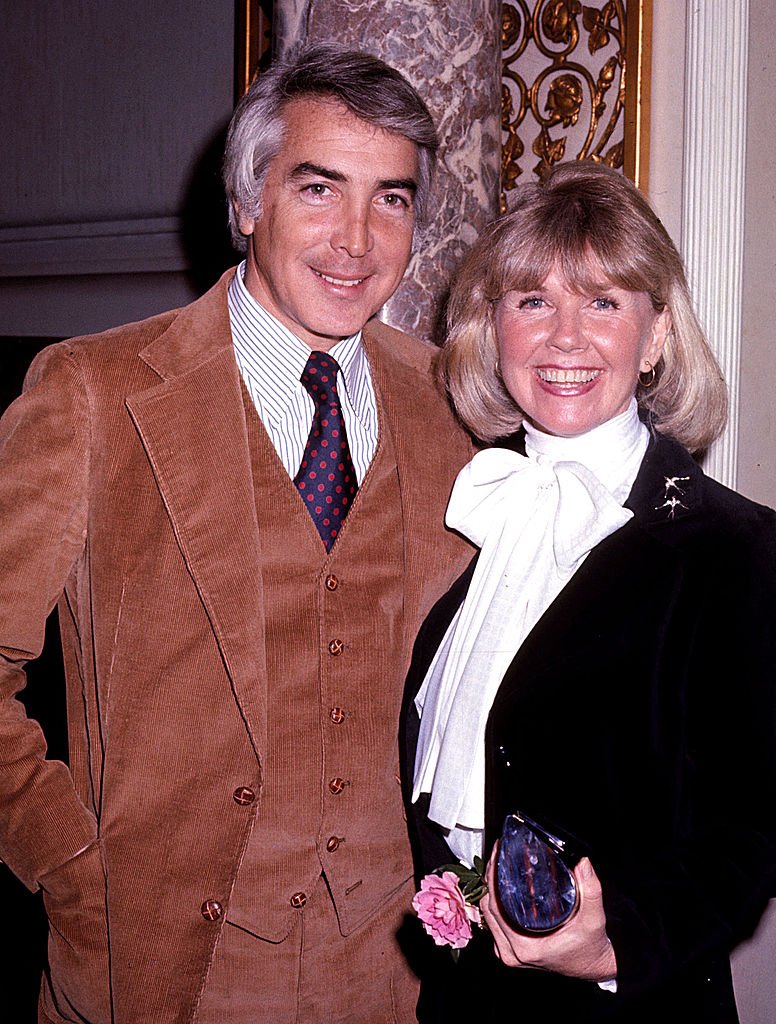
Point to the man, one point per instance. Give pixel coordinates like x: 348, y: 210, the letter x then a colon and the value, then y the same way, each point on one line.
x: 227, y: 843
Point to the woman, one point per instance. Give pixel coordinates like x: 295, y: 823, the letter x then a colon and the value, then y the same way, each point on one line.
x: 606, y: 664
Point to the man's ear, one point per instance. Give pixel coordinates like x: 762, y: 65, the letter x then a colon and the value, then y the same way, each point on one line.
x: 244, y: 223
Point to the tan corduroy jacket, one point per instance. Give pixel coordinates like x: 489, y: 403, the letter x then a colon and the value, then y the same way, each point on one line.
x: 126, y: 497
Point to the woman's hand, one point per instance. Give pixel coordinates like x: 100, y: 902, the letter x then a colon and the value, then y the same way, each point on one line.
x: 580, y: 949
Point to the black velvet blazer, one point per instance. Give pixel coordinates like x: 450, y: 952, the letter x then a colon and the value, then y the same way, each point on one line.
x: 639, y: 716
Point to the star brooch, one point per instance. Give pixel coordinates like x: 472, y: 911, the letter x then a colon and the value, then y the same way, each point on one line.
x: 673, y: 493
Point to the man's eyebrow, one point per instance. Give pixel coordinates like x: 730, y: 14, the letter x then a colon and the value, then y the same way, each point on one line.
x: 307, y: 170
x: 395, y: 184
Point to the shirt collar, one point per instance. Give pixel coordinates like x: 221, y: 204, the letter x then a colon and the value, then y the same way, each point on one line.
x: 275, y: 357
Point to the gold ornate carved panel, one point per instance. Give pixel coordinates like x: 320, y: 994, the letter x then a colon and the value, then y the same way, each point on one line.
x: 575, y: 85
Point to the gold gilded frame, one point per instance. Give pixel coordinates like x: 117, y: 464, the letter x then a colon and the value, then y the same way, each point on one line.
x: 638, y: 67
x: 253, y: 24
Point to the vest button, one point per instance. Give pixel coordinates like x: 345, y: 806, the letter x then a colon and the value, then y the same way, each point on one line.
x: 331, y: 582
x: 298, y: 900
x: 243, y: 796
x: 333, y: 842
x: 337, y: 715
x: 336, y: 785
x: 336, y: 647
x: 211, y: 910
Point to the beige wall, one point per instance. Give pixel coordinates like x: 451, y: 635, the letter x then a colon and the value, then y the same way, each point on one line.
x: 753, y: 963
x: 757, y: 422
x: 667, y: 115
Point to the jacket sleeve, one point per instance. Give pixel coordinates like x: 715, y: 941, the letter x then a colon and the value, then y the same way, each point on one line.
x: 44, y: 472
x: 689, y: 896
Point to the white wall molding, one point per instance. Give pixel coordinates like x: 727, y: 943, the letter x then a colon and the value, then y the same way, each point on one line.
x: 713, y: 192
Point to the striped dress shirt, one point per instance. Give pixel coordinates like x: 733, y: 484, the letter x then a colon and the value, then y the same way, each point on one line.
x: 271, y: 359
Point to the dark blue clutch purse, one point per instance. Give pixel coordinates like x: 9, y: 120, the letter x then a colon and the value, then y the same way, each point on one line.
x: 535, y: 883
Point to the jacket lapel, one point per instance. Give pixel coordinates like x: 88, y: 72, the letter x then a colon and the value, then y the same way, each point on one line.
x: 192, y: 425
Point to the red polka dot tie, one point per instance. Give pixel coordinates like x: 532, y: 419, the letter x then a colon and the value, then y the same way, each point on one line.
x: 326, y: 479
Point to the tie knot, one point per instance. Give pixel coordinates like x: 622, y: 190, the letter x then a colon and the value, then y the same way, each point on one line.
x: 326, y: 479
x: 319, y: 377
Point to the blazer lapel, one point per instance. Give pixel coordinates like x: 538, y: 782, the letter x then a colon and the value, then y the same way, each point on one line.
x: 192, y: 425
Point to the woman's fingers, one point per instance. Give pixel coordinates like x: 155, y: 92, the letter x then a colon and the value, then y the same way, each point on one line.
x: 579, y: 949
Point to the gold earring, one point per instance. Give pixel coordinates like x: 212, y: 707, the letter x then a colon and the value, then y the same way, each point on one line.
x: 650, y: 376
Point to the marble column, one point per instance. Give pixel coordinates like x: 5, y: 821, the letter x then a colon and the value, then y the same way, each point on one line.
x: 451, y: 52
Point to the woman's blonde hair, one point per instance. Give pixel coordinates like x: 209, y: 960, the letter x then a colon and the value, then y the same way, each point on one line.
x: 584, y: 219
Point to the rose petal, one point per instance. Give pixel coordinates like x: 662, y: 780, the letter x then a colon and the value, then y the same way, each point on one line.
x: 443, y: 910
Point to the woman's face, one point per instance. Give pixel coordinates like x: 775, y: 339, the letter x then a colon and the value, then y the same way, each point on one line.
x: 571, y: 360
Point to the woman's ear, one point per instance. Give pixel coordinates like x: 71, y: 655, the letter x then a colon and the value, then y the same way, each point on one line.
x: 661, y: 328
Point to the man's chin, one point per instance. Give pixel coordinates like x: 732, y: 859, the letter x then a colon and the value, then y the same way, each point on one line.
x: 328, y: 334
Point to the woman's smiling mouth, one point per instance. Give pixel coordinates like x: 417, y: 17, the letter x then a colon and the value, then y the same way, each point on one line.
x: 554, y: 375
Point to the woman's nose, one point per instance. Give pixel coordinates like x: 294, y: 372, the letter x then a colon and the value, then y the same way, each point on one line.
x: 567, y: 334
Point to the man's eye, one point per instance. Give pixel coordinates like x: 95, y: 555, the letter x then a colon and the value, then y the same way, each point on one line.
x: 316, y: 188
x: 395, y: 200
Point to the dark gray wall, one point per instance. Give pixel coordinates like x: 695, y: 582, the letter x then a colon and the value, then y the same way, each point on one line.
x: 112, y: 114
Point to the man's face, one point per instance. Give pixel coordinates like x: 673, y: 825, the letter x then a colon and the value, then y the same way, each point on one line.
x: 335, y: 233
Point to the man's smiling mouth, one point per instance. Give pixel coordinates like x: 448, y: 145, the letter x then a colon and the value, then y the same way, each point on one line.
x: 339, y: 281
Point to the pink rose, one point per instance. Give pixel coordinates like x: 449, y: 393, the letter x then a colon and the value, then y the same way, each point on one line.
x: 444, y: 912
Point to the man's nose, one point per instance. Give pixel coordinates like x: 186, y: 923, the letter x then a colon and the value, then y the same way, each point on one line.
x: 353, y: 231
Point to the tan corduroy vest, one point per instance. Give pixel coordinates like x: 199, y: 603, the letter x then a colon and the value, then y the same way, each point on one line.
x: 330, y: 798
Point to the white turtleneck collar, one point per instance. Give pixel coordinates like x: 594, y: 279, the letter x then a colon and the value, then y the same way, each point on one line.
x: 612, y: 451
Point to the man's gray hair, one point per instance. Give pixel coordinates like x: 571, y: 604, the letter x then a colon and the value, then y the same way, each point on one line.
x: 372, y: 90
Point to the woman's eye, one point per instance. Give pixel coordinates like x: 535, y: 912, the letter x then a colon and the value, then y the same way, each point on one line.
x: 531, y: 302
x: 602, y: 302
